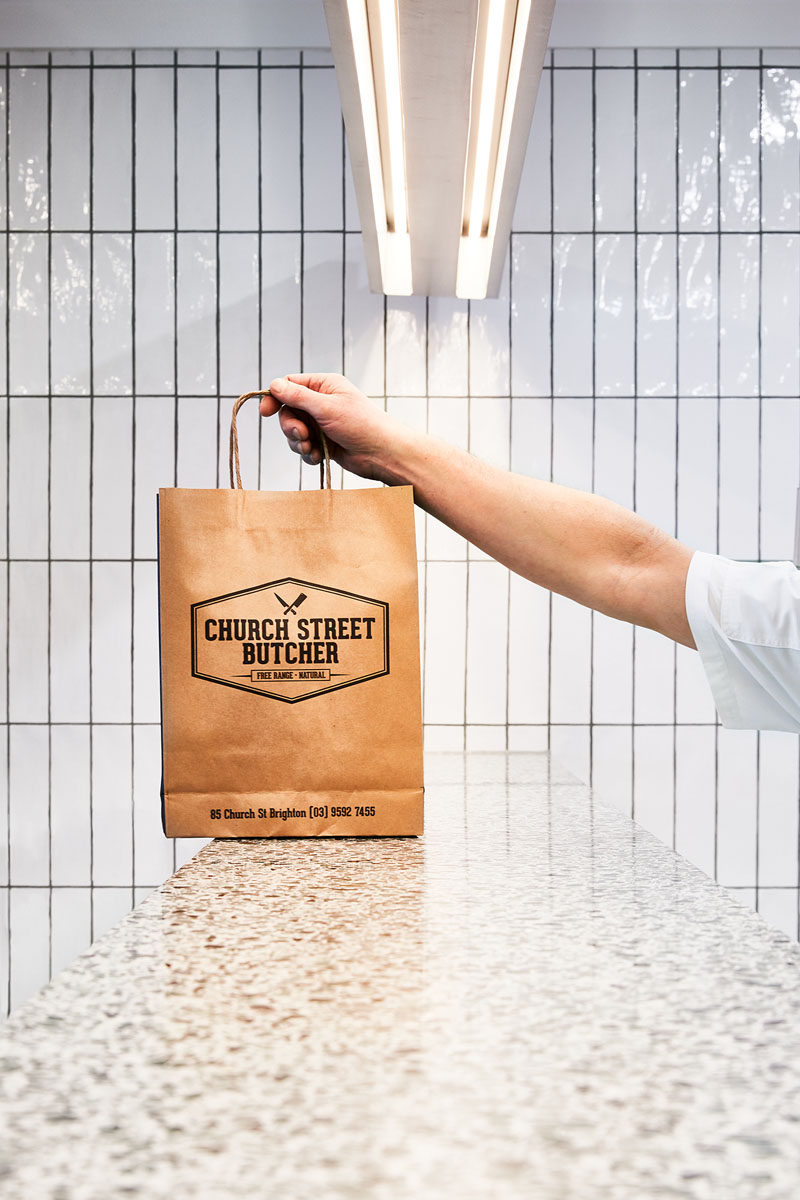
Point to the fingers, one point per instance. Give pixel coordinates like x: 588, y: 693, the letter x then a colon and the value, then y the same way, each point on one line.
x: 269, y: 406
x: 298, y: 434
x: 316, y: 397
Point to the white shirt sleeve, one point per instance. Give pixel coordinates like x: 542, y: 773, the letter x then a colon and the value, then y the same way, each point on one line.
x: 745, y: 619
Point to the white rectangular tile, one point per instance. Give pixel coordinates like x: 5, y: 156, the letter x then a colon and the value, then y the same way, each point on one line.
x: 322, y: 151
x: 28, y: 831
x: 489, y: 344
x: 154, y: 466
x: 615, y: 297
x: 154, y: 344
x: 612, y: 670
x: 531, y: 349
x: 4, y: 249
x: 4, y: 951
x: 352, y: 219
x: 612, y: 766
x: 571, y: 662
x: 656, y: 117
x: 70, y: 476
x: 778, y: 906
x: 280, y: 150
x: 739, y: 312
x: 572, y: 443
x: 69, y: 150
x: 197, y: 138
x: 406, y: 345
x: 693, y: 699
x: 280, y: 305
x: 654, y: 780
x: 780, y: 315
x: 656, y: 461
x: 155, y: 149
x: 445, y: 642
x: 27, y: 638
x: 153, y: 850
x: 482, y: 738
x: 490, y: 429
x: 238, y: 313
x: 238, y: 150
x: 71, y: 925
x: 27, y: 149
x: 69, y: 641
x: 572, y: 150
x: 695, y: 795
x: 656, y: 311
x: 570, y: 748
x: 614, y: 448
x: 529, y: 652
x: 698, y: 300
x: 70, y: 804
x: 141, y: 893
x: 111, y: 806
x: 186, y: 848
x: 487, y: 643
x: 322, y: 303
x: 146, y: 694
x: 697, y: 473
x: 29, y: 926
x: 448, y: 347
x: 738, y: 470
x: 614, y: 150
x: 447, y: 419
x: 111, y: 477
x: 614, y: 58
x: 4, y: 834
x: 653, y: 678
x: 197, y: 441
x: 737, y: 798
x: 780, y: 176
x: 28, y: 477
x: 780, y: 475
x: 572, y: 314
x: 111, y: 641
x: 527, y: 738
x: 27, y: 318
x: 112, y: 58
x: 363, y: 333
x: 69, y: 324
x: 112, y: 206
x: 697, y: 170
x: 531, y: 436
x: 109, y: 906
x: 197, y: 313
x: 777, y: 810
x: 533, y: 198
x: 112, y: 312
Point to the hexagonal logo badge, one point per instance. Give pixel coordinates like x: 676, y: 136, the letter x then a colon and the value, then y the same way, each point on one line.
x: 290, y: 639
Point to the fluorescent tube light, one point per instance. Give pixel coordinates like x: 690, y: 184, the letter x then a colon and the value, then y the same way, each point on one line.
x: 498, y: 76
x: 377, y: 60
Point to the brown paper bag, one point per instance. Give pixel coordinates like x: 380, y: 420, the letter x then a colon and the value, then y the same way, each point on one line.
x: 290, y: 689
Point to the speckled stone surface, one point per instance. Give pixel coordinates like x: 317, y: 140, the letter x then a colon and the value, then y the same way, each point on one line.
x: 536, y: 999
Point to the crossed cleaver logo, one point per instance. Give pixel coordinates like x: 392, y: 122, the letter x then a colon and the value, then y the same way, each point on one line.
x: 290, y: 639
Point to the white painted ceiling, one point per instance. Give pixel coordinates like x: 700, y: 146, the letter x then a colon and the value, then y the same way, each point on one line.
x: 301, y: 23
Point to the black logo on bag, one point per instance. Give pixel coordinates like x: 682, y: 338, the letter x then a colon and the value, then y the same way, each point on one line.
x: 290, y: 639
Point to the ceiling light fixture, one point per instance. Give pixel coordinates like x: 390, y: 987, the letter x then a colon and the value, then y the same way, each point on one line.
x: 495, y: 83
x: 373, y: 27
x: 437, y: 101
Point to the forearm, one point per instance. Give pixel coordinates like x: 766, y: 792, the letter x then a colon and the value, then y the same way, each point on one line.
x: 571, y: 542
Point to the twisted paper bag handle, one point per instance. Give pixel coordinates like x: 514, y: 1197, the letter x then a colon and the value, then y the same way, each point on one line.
x: 233, y: 459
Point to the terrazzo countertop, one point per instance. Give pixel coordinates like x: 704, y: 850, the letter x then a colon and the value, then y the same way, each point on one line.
x: 537, y: 999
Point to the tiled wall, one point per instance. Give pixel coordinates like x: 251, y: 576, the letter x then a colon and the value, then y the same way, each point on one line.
x: 181, y: 227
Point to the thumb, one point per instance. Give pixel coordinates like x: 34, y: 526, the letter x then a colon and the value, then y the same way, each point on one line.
x: 296, y: 395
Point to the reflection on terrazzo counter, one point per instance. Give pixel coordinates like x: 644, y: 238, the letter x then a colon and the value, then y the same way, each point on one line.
x: 537, y: 999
